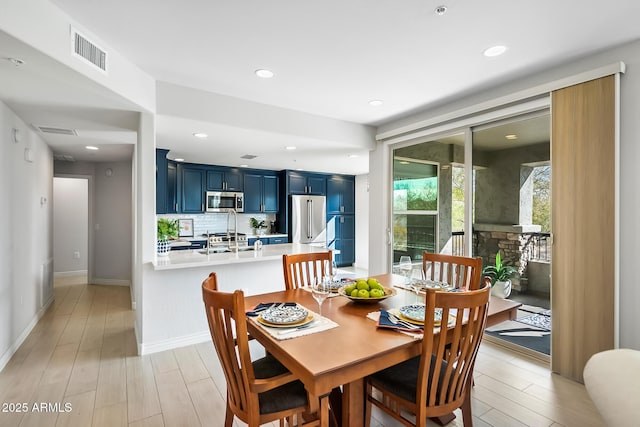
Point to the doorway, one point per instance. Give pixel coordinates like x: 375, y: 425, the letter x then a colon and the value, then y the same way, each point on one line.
x: 71, y: 228
x: 512, y: 210
x: 508, y: 182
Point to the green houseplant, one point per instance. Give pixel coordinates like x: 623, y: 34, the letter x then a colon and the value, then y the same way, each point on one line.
x: 500, y: 275
x: 257, y: 225
x: 166, y: 229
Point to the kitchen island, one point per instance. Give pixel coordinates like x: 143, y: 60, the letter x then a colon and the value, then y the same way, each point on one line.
x: 199, y: 258
x: 173, y: 311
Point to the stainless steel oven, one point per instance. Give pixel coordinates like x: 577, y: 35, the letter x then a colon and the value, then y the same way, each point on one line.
x: 220, y: 201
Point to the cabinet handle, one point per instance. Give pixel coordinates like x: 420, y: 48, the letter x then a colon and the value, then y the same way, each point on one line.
x: 202, y: 207
x: 341, y: 208
x: 176, y: 207
x: 341, y: 219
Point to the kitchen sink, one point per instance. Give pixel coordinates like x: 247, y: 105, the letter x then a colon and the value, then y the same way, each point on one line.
x: 206, y: 251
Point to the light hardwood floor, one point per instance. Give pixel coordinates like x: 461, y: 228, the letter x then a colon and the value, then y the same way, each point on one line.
x: 83, y: 353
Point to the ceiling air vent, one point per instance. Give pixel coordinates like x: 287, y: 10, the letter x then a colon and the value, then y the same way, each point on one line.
x: 88, y: 51
x: 248, y: 156
x: 63, y: 158
x: 57, y: 131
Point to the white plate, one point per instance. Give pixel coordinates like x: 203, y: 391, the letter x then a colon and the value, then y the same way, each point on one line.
x: 415, y: 312
x: 284, y: 315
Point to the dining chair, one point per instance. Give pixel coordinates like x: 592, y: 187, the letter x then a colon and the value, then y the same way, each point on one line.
x: 458, y: 271
x: 301, y: 269
x: 438, y: 381
x: 258, y: 391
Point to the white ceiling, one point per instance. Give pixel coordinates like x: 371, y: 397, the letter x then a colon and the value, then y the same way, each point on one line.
x: 331, y: 57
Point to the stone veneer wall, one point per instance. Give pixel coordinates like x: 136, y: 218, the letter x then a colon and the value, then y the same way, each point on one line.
x: 512, y: 246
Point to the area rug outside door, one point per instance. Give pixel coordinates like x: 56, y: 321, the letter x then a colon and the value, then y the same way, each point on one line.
x: 529, y: 330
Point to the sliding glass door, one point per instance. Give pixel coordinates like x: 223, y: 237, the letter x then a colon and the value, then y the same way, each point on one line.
x: 427, y: 202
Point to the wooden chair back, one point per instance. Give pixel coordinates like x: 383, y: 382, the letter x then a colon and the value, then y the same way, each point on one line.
x: 228, y: 327
x: 458, y: 271
x: 246, y: 393
x: 300, y: 269
x: 447, y: 359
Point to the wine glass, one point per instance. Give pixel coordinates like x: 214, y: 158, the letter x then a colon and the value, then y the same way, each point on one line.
x: 405, y: 265
x: 320, y: 291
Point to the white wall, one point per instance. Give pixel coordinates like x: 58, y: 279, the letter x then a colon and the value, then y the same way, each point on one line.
x: 362, y: 221
x: 110, y: 219
x: 70, y: 225
x: 112, y: 224
x: 26, y: 217
x: 628, y: 249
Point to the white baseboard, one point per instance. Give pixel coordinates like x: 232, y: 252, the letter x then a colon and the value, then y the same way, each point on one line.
x: 70, y: 273
x: 155, y: 347
x: 110, y: 282
x: 23, y: 336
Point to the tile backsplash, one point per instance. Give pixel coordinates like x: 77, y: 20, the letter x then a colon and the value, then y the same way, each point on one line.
x: 217, y: 222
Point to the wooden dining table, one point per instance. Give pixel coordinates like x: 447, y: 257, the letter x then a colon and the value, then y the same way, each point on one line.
x: 345, y: 355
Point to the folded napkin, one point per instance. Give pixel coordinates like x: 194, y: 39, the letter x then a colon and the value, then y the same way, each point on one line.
x: 384, y: 321
x: 413, y: 333
x: 265, y: 305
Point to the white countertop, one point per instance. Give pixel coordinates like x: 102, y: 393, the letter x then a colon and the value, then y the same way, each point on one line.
x: 193, y: 258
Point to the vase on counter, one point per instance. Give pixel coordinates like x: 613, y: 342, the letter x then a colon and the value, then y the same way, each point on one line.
x: 163, y: 247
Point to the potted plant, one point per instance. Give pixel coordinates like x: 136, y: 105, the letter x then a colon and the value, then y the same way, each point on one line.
x: 257, y: 225
x: 500, y: 275
x: 167, y: 229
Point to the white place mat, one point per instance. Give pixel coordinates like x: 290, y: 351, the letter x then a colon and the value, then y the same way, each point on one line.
x: 318, y: 324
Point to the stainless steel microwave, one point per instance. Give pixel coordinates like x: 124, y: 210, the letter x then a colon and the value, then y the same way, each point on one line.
x: 220, y: 201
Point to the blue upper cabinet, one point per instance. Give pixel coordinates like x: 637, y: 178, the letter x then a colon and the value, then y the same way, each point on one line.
x: 192, y: 188
x: 161, y: 181
x: 260, y: 192
x: 306, y: 183
x: 224, y: 179
x: 172, y: 187
x: 341, y: 193
x: 166, y: 183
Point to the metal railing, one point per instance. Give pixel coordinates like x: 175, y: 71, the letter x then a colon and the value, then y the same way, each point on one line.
x: 538, y: 246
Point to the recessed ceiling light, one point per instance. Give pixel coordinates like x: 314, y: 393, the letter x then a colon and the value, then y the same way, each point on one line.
x: 376, y: 102
x: 91, y: 147
x: 244, y: 166
x: 511, y: 136
x: 200, y: 135
x: 179, y: 159
x: 441, y: 10
x: 353, y: 156
x: 265, y: 74
x: 290, y: 147
x: 495, y: 51
x: 16, y: 61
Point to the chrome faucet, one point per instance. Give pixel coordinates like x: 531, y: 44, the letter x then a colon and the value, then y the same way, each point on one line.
x: 235, y: 230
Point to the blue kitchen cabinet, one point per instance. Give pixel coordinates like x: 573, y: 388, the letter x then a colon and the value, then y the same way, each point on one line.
x: 341, y: 236
x: 192, y: 188
x: 278, y: 240
x: 306, y: 183
x: 224, y: 179
x: 260, y: 193
x: 166, y: 183
x: 341, y: 194
x: 172, y: 187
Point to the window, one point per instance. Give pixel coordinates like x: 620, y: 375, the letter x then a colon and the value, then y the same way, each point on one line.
x: 415, y: 207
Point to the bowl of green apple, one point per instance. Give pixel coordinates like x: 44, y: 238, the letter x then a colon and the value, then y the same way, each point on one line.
x: 367, y: 291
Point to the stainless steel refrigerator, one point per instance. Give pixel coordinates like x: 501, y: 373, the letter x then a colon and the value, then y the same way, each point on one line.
x: 308, y: 219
